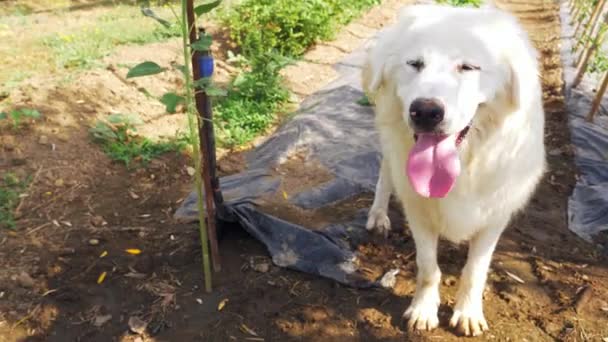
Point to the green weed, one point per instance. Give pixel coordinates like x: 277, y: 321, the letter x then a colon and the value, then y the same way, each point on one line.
x: 84, y: 47
x: 252, y: 101
x: 18, y: 117
x: 270, y: 33
x: 288, y: 27
x: 119, y: 141
x: 10, y: 189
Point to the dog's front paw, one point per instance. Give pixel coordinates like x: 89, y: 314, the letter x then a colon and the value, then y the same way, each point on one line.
x: 422, y: 315
x: 377, y: 219
x: 469, y: 320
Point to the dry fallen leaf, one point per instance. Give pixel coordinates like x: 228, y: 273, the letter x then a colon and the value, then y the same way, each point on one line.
x: 133, y: 251
x: 137, y: 325
x: 514, y: 277
x: 248, y: 330
x: 101, y: 277
x: 221, y: 305
x: 103, y: 254
x: 285, y: 195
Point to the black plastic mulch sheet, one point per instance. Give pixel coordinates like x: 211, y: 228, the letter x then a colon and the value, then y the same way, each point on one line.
x: 335, y: 132
x: 588, y: 204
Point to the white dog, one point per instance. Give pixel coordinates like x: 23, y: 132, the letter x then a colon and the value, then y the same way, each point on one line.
x: 460, y: 118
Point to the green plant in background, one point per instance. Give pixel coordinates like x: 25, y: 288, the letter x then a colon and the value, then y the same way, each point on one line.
x: 599, y: 61
x: 253, y: 99
x: 10, y: 189
x: 474, y: 3
x: 17, y: 117
x: 119, y: 141
x: 288, y: 27
x: 599, y: 64
x: 81, y: 49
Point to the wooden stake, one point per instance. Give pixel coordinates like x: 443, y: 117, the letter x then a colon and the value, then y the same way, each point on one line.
x: 205, y: 125
x: 587, y: 54
x: 597, y: 101
x: 590, y: 29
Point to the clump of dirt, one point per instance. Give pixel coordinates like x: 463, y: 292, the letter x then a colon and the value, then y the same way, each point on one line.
x: 300, y: 173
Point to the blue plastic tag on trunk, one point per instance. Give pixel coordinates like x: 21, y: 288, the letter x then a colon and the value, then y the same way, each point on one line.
x: 206, y: 66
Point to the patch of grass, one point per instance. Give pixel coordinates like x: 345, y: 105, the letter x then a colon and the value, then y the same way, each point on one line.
x: 84, y: 47
x: 288, y: 27
x: 253, y: 99
x: 19, y: 117
x: 119, y: 141
x: 10, y: 189
x: 270, y: 33
x: 73, y: 40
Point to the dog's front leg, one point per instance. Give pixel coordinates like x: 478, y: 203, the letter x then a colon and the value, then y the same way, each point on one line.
x: 422, y: 312
x: 468, y: 318
x: 377, y: 217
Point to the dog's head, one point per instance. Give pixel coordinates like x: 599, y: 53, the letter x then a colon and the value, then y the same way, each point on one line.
x: 441, y: 64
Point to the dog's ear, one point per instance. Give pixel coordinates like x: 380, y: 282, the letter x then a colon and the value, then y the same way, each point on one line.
x: 372, y: 74
x: 374, y: 65
x: 524, y: 76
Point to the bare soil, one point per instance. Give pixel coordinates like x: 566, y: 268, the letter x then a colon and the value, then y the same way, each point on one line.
x: 82, y: 212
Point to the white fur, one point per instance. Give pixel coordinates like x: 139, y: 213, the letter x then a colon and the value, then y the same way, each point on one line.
x: 502, y: 157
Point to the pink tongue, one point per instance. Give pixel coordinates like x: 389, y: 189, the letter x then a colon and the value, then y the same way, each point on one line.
x: 433, y: 165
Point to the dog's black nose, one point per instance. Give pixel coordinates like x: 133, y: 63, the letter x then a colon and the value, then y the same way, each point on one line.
x: 426, y: 113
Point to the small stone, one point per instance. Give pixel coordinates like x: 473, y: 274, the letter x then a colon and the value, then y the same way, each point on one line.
x: 93, y: 242
x: 8, y: 142
x: 101, y: 320
x: 43, y: 140
x: 98, y: 221
x: 262, y: 267
x: 25, y: 280
x: 190, y: 170
x: 555, y: 152
x: 137, y: 325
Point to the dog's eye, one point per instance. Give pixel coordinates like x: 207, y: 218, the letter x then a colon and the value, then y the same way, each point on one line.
x: 468, y: 67
x: 417, y: 64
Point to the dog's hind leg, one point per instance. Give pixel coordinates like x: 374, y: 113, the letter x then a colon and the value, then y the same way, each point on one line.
x: 422, y: 312
x: 377, y: 217
x: 468, y: 318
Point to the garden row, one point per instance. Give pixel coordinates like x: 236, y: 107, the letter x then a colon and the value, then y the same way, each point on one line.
x: 591, y: 23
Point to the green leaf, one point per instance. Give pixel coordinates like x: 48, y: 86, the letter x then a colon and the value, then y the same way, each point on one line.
x: 203, y: 43
x: 3, y: 116
x: 171, y: 100
x: 124, y: 119
x: 202, y: 82
x: 206, y: 7
x: 31, y: 113
x: 364, y: 101
x: 145, y: 69
x: 239, y: 79
x: 181, y: 68
x: 214, y: 91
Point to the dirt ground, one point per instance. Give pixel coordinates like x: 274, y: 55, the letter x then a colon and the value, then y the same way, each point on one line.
x: 82, y: 211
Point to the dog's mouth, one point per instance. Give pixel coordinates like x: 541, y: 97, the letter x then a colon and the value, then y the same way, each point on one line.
x: 433, y: 163
x: 461, y: 135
